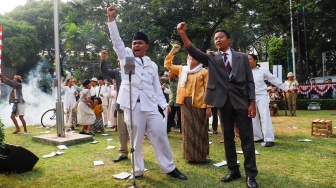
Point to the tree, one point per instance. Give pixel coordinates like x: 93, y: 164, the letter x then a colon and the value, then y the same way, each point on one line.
x: 20, y: 45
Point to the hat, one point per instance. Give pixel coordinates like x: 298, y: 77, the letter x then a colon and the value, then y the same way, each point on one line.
x: 329, y: 79
x: 94, y: 79
x: 86, y: 82
x: 269, y: 88
x: 290, y: 74
x: 140, y: 36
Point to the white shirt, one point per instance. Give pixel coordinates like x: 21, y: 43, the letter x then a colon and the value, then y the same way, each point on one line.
x: 69, y: 97
x: 260, y: 75
x: 102, y: 92
x: 228, y: 55
x: 145, y: 82
x: 93, y: 91
x: 293, y: 86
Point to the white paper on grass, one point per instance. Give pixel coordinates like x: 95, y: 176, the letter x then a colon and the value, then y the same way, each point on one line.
x: 210, y: 143
x: 98, y: 163
x: 109, y: 139
x: 122, y: 175
x: 305, y: 140
x: 292, y: 127
x: 110, y: 147
x: 209, y: 132
x: 104, y: 134
x: 241, y: 152
x: 61, y: 147
x: 223, y: 163
x: 94, y: 142
x: 52, y: 154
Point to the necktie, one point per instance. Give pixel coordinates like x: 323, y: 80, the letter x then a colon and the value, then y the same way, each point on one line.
x: 99, y: 91
x: 141, y: 60
x: 227, y: 65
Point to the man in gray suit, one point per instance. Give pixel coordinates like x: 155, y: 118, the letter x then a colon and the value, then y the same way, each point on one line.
x: 231, y: 89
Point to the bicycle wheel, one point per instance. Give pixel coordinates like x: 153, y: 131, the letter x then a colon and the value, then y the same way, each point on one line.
x: 48, y: 119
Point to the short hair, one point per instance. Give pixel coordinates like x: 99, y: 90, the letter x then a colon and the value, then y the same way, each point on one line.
x: 313, y: 79
x: 226, y: 32
x: 86, y: 82
x: 99, y: 100
x: 100, y: 78
x: 255, y: 57
x: 19, y: 78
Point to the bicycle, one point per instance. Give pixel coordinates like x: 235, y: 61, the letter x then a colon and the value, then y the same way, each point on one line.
x: 48, y: 118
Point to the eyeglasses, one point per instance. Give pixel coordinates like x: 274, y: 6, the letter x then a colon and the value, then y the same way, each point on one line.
x: 219, y: 37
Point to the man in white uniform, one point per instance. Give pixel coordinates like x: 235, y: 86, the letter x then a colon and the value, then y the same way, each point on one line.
x: 262, y: 123
x: 146, y: 96
x: 101, y: 92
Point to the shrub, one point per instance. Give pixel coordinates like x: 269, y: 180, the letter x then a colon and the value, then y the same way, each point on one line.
x: 2, y: 134
x: 302, y: 104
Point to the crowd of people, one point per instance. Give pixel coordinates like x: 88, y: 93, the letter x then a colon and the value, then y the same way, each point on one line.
x: 224, y: 81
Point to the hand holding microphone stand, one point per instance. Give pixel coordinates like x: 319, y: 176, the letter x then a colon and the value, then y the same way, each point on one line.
x: 129, y: 68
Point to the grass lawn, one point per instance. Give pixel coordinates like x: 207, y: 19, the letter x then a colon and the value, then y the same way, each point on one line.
x: 288, y: 164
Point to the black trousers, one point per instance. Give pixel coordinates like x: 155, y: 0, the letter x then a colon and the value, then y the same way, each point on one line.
x: 171, y: 116
x: 214, y: 111
x: 228, y: 116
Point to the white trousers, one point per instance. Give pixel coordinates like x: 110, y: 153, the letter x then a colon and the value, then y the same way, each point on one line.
x: 105, y: 117
x: 150, y: 122
x: 262, y: 123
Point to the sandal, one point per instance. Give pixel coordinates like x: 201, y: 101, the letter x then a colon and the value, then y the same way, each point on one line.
x: 16, y: 132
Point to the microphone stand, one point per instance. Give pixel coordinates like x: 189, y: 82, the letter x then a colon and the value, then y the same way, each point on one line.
x: 130, y: 67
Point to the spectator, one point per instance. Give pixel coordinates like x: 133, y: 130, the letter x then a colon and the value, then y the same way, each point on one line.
x: 16, y: 98
x: 329, y: 93
x: 70, y: 94
x: 291, y: 94
x: 313, y: 94
x: 98, y: 110
x: 195, y: 113
x: 85, y: 115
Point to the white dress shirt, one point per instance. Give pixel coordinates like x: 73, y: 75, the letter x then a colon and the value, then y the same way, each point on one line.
x: 260, y: 75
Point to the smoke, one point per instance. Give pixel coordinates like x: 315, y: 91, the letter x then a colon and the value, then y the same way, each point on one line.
x: 37, y: 101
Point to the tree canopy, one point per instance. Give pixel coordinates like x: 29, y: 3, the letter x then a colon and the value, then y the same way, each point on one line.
x: 255, y: 25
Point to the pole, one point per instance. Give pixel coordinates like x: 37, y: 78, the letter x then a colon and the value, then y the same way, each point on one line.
x: 324, y: 57
x: 0, y: 56
x: 305, y: 38
x: 292, y: 36
x: 59, y: 105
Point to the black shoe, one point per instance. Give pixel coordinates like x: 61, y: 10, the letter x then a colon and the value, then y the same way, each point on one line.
x: 90, y: 133
x: 82, y: 132
x: 260, y: 140
x: 120, y: 158
x: 136, y: 177
x: 177, y: 174
x: 231, y: 176
x: 251, y: 182
x: 267, y: 144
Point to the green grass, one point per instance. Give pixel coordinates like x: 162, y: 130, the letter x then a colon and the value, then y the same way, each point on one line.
x: 288, y: 164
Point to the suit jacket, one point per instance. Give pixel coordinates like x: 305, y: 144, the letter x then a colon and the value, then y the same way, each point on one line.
x: 114, y: 74
x: 240, y: 88
x: 145, y: 82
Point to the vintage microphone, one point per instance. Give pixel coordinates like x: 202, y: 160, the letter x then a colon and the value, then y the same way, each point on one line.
x: 129, y: 68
